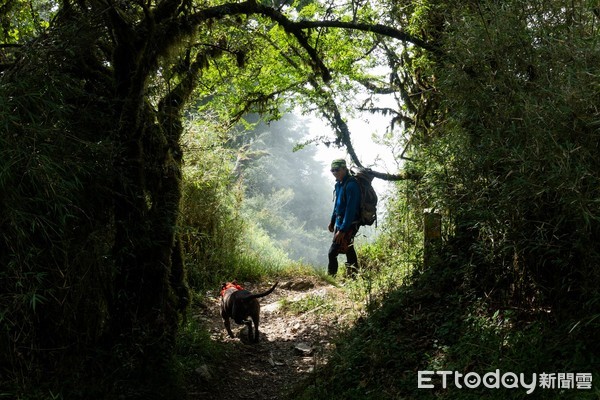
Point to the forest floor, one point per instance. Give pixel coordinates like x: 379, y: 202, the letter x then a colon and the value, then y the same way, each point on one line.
x: 298, y: 323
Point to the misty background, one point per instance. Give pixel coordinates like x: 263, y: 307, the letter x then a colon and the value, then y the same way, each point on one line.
x: 288, y: 189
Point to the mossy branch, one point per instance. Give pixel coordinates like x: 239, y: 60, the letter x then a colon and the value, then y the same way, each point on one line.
x: 298, y: 28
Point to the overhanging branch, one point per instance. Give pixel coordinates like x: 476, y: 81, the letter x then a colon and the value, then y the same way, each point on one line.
x: 251, y: 7
x: 379, y: 29
x: 296, y: 28
x: 343, y: 133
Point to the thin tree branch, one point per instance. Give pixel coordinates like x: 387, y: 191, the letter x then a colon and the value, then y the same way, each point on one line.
x: 379, y: 29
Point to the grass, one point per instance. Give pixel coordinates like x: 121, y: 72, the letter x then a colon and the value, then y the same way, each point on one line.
x: 317, y: 303
x: 194, y: 348
x: 432, y: 323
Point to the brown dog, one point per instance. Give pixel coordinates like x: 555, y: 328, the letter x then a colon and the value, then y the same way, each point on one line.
x: 239, y: 304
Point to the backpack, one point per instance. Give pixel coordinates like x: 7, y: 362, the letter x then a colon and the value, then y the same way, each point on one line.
x: 368, y: 197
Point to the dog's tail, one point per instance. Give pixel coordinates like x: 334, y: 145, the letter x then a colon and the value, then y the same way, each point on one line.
x: 263, y: 294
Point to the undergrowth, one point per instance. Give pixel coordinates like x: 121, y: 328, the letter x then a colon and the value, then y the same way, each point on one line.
x: 436, y: 323
x: 318, y: 303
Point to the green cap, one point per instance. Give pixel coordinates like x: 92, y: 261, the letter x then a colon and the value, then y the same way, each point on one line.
x: 340, y: 162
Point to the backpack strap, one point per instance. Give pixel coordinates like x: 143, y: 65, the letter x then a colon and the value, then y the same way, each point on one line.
x: 353, y: 178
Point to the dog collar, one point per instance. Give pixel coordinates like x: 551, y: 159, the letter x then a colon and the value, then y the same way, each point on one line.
x: 230, y: 285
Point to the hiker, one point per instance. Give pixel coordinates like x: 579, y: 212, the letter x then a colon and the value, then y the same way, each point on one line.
x: 344, y: 220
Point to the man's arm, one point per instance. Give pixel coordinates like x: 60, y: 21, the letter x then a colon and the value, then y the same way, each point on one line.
x: 331, y: 226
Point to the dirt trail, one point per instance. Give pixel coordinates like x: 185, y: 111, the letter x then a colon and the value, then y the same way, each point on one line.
x: 292, y: 342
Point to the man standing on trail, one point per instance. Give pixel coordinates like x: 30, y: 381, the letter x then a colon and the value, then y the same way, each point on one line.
x: 344, y: 218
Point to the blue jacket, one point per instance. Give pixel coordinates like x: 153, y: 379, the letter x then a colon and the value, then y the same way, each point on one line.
x: 347, y: 203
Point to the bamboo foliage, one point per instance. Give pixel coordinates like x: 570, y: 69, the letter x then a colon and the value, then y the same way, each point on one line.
x: 510, y: 151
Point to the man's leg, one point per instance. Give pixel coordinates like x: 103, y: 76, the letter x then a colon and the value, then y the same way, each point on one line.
x: 352, y: 262
x: 351, y: 257
x: 332, y: 267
